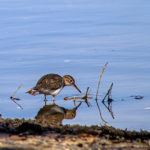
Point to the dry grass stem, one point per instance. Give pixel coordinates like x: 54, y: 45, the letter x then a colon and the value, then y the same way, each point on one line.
x: 100, y: 78
x: 16, y: 90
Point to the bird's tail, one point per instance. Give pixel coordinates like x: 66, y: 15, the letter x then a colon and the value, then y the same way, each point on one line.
x: 32, y: 92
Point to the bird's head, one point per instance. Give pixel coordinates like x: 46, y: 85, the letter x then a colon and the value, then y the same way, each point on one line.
x: 69, y: 81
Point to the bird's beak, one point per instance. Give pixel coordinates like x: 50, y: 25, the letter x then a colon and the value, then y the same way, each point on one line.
x: 76, y: 87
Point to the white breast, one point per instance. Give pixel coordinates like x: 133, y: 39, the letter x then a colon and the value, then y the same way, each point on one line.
x: 50, y: 92
x: 55, y: 92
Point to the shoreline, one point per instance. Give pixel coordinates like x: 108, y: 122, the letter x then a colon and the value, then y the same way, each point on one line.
x: 29, y: 134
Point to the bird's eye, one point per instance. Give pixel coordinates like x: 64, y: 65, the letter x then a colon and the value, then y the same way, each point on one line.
x: 71, y: 81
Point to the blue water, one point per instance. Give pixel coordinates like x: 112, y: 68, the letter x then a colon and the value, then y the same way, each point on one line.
x: 77, y: 38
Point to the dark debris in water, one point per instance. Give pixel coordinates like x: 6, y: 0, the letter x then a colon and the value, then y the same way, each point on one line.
x: 137, y: 97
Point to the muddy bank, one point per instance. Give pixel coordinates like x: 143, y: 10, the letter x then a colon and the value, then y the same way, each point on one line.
x: 32, y: 134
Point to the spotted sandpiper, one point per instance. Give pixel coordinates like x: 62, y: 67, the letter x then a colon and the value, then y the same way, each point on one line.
x: 52, y: 84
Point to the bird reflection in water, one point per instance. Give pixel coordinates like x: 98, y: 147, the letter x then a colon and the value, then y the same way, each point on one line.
x: 53, y: 114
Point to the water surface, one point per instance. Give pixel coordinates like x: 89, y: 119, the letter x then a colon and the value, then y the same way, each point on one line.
x: 77, y: 38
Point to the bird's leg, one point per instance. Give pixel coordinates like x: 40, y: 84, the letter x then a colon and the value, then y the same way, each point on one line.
x: 53, y: 99
x: 45, y: 100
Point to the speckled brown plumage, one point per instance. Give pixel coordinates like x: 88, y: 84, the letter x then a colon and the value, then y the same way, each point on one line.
x: 49, y: 82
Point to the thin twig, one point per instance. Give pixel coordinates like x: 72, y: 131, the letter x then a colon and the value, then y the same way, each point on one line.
x: 13, y: 98
x: 85, y: 97
x: 16, y: 90
x: 108, y: 92
x: 72, y: 98
x: 100, y: 78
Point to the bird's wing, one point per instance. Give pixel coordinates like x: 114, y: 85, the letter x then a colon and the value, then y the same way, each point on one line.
x: 49, y: 81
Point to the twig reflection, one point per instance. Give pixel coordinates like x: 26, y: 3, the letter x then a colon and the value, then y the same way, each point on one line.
x: 109, y: 101
x: 109, y: 106
x: 100, y: 113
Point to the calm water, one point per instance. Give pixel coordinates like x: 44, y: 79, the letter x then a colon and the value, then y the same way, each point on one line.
x: 77, y: 38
